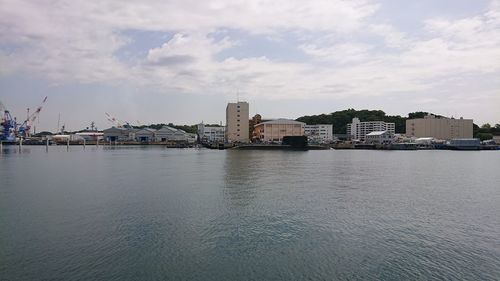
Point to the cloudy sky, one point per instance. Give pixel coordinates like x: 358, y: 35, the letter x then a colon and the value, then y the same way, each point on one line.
x: 155, y: 61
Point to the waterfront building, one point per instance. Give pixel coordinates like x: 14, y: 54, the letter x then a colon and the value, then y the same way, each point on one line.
x: 169, y: 134
x: 439, y: 127
x: 237, y: 116
x: 496, y: 139
x: 357, y: 130
x: 118, y: 134
x: 211, y: 133
x: 320, y: 133
x: 145, y: 135
x: 275, y: 130
x: 379, y: 137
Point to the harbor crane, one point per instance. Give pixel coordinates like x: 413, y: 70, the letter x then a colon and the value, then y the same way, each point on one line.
x: 9, y: 125
x: 116, y: 122
x: 25, y: 127
x: 11, y: 130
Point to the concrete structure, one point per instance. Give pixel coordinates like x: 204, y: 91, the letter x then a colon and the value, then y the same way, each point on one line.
x: 145, y: 135
x: 251, y: 125
x: 237, y: 115
x: 496, y: 139
x: 321, y: 133
x: 357, y: 130
x: 169, y: 134
x: 118, y: 134
x: 275, y: 130
x: 379, y: 137
x: 211, y: 133
x: 439, y: 128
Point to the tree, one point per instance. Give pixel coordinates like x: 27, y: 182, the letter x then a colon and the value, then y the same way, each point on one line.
x: 486, y: 126
x: 484, y: 136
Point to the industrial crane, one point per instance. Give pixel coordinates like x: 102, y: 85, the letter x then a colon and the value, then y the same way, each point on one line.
x: 8, y: 124
x: 25, y: 127
x: 11, y: 130
x: 116, y: 122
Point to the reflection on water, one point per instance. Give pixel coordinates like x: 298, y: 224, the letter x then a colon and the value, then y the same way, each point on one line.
x: 151, y: 213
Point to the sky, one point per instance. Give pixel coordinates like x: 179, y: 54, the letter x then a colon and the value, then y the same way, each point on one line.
x: 158, y: 61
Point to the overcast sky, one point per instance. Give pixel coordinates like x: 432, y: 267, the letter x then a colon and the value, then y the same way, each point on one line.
x: 182, y: 61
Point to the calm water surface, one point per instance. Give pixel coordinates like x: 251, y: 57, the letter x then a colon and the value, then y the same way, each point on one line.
x: 152, y: 213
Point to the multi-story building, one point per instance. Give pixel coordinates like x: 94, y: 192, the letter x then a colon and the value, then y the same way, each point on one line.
x: 439, y: 127
x: 320, y: 133
x: 358, y: 130
x: 211, y: 133
x: 237, y: 116
x: 275, y: 130
x: 251, y: 125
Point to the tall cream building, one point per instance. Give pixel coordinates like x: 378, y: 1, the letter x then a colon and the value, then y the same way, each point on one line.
x: 439, y: 128
x: 237, y: 116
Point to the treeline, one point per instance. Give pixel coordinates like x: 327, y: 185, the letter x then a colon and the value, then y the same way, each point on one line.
x: 192, y: 129
x: 340, y: 119
x: 486, y: 131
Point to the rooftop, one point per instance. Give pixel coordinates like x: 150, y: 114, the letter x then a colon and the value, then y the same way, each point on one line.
x: 283, y: 121
x: 376, y: 133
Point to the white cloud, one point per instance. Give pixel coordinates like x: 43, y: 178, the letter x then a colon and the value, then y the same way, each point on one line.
x: 341, y: 53
x: 78, y: 41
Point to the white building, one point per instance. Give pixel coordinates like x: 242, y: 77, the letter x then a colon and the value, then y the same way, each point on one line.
x: 379, y: 137
x: 320, y: 133
x: 237, y: 117
x: 167, y: 134
x: 357, y: 130
x: 211, y: 133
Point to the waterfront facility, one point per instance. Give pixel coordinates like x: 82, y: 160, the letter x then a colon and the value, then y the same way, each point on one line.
x: 320, y: 133
x: 379, y: 137
x: 211, y: 133
x: 439, y: 127
x: 237, y: 122
x: 357, y: 130
x: 275, y: 130
x: 147, y: 135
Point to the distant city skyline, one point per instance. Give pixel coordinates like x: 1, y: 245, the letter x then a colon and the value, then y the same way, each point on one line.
x: 182, y: 61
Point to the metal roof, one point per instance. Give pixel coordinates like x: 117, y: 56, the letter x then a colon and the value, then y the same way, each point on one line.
x: 282, y: 121
x: 376, y: 133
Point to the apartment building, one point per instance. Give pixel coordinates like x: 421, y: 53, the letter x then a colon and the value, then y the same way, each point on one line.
x: 358, y: 130
x: 320, y: 133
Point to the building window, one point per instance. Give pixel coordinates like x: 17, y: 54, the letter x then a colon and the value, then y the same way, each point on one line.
x: 238, y: 130
x: 238, y: 125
